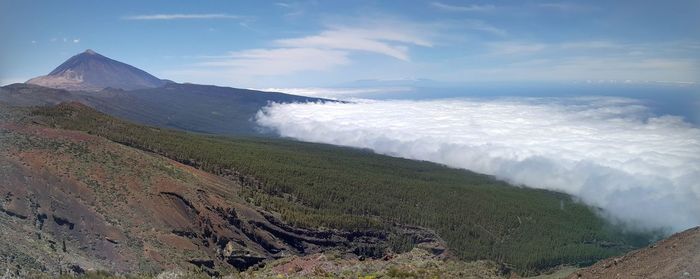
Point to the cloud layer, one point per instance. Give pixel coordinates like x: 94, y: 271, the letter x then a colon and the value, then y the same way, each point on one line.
x: 610, y: 152
x: 337, y: 93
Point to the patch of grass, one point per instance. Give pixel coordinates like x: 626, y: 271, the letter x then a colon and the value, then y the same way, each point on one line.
x: 397, y: 273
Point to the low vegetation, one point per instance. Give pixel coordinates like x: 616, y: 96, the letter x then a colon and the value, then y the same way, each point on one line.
x: 327, y: 186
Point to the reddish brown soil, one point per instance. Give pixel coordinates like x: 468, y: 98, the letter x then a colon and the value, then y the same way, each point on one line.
x: 122, y: 209
x: 675, y: 257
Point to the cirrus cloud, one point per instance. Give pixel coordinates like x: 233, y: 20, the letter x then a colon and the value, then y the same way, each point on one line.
x: 280, y: 60
x: 610, y: 152
x: 321, y: 51
x: 456, y: 8
x: 387, y: 41
x: 181, y: 16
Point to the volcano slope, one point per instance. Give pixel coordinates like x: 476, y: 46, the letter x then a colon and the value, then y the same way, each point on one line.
x: 371, y: 203
x: 677, y: 256
x: 189, y: 107
x: 124, y: 91
x: 72, y: 201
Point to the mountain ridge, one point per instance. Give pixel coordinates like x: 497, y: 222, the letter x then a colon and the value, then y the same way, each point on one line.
x: 192, y: 107
x: 94, y: 80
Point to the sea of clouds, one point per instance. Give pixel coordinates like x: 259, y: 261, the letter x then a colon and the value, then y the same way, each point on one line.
x: 612, y: 153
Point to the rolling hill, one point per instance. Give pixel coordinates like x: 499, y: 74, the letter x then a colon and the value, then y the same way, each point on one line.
x: 74, y: 202
x: 310, y: 187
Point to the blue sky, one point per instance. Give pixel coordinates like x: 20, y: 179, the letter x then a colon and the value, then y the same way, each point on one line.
x: 324, y: 43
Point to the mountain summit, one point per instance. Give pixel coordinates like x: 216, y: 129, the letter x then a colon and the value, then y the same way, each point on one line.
x: 90, y: 71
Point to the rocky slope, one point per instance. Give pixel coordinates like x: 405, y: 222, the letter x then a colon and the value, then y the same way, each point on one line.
x: 71, y: 202
x: 418, y: 263
x: 90, y: 71
x: 675, y: 257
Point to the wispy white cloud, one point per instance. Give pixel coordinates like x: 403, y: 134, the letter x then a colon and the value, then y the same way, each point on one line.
x: 501, y: 48
x: 283, y: 4
x: 319, y: 52
x: 249, y: 66
x: 589, y: 68
x: 590, y: 45
x: 392, y: 42
x: 562, y: 6
x: 294, y: 9
x: 279, y: 61
x: 519, y: 47
x: 587, y: 60
x: 181, y: 16
x: 611, y: 152
x: 64, y: 40
x: 457, y: 8
x: 482, y: 26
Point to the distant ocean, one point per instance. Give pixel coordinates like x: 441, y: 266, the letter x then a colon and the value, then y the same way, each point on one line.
x: 662, y: 98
